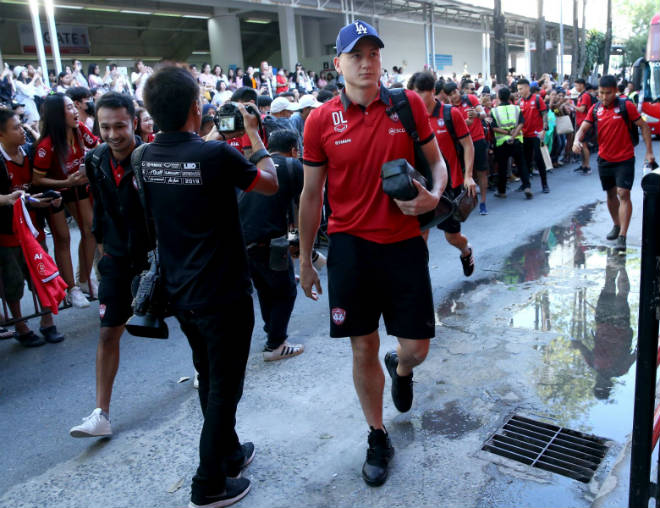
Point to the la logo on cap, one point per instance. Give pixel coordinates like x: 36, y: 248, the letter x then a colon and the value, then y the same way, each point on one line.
x: 360, y: 28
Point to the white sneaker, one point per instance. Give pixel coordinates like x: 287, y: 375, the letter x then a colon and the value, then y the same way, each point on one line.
x: 94, y: 425
x: 76, y: 298
x: 286, y: 350
x: 318, y: 260
x: 196, y: 380
x: 84, y: 287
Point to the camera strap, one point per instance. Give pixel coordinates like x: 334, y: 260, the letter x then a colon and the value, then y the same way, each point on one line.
x: 136, y: 162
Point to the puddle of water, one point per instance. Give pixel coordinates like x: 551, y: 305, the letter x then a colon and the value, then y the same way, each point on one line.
x: 450, y: 421
x: 588, y: 297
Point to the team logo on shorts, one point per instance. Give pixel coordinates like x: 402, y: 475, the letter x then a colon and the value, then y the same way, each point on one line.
x: 338, y: 315
x: 102, y: 310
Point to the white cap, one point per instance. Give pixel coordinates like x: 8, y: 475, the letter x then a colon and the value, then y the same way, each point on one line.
x: 280, y: 104
x: 309, y: 101
x: 18, y: 70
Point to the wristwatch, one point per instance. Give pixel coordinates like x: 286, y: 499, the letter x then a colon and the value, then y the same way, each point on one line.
x: 258, y: 155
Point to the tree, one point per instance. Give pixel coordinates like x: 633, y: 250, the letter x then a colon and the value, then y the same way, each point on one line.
x: 639, y: 13
x: 539, y: 57
x: 499, y: 43
x: 608, y: 39
x: 594, y: 51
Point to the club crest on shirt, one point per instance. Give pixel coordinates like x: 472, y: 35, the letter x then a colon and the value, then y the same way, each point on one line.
x: 41, y: 152
x: 394, y: 117
x: 600, y: 111
x: 617, y: 110
x: 441, y: 122
x: 338, y: 315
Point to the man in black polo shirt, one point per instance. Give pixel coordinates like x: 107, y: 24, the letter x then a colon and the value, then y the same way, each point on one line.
x: 190, y: 190
x: 119, y: 228
x: 265, y: 221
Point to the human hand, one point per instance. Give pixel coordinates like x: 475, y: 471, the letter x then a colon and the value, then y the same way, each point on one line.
x: 309, y: 281
x: 250, y: 120
x: 10, y: 199
x: 577, y: 146
x: 471, y: 186
x: 425, y: 201
x: 76, y: 178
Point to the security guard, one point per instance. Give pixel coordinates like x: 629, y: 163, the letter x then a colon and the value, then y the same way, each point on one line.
x: 507, y: 126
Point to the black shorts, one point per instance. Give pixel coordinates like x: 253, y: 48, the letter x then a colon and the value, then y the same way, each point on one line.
x: 14, y: 273
x: 115, y: 297
x: 367, y: 280
x: 616, y: 174
x: 77, y: 193
x: 481, y: 155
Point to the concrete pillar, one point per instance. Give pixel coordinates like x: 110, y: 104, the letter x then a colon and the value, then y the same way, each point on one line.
x: 288, y: 42
x: 527, y: 71
x: 225, y: 39
x: 54, y: 42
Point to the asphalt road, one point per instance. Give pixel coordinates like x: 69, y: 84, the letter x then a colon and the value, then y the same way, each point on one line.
x: 302, y: 414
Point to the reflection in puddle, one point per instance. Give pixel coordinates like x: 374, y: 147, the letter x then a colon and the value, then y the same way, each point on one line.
x: 582, y: 294
x: 450, y: 421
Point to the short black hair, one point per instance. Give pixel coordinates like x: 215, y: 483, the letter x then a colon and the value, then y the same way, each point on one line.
x: 5, y: 115
x: 283, y: 141
x: 263, y: 101
x: 523, y: 81
x: 450, y: 87
x: 244, y: 94
x: 422, y: 81
x: 287, y: 94
x: 207, y: 119
x: 115, y: 100
x: 504, y: 94
x: 580, y: 81
x: 439, y: 86
x: 607, y: 81
x: 331, y: 88
x: 465, y: 83
x: 169, y: 94
x: 324, y: 96
x: 78, y: 93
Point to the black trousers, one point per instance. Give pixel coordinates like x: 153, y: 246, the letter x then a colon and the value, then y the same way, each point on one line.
x: 532, y: 148
x: 502, y: 154
x: 220, y: 342
x: 276, y: 291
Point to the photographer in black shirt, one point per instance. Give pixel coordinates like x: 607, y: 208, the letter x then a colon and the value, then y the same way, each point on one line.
x: 190, y: 191
x: 265, y: 221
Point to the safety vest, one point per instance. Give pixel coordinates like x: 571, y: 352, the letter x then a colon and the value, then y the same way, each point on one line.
x: 506, y: 118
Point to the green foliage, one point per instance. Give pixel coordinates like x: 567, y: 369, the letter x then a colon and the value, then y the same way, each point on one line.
x: 639, y: 12
x: 595, y: 48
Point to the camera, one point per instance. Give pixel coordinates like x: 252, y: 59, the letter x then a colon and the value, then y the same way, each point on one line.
x: 229, y: 117
x: 149, y: 303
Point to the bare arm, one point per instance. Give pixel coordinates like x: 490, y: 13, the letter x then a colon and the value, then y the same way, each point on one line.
x: 72, y: 180
x: 579, y: 136
x: 267, y: 183
x: 646, y: 134
x: 468, y: 164
x: 309, y: 218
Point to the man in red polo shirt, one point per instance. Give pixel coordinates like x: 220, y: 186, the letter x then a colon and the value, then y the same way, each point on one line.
x: 448, y: 137
x: 582, y: 107
x: 616, y: 153
x: 473, y: 113
x: 535, y: 113
x: 378, y: 261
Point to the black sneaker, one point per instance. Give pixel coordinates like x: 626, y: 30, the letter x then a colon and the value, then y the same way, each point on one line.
x: 586, y: 170
x: 235, y: 490
x: 234, y: 470
x: 468, y: 263
x: 51, y: 334
x: 546, y: 189
x: 30, y: 339
x: 402, y: 386
x: 614, y: 233
x: 379, y: 454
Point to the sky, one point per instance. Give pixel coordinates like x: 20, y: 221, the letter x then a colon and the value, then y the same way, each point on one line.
x: 596, y: 13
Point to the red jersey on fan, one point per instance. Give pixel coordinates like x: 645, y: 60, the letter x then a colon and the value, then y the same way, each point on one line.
x: 46, y: 164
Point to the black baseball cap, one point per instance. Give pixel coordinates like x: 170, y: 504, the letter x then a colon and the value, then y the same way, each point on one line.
x: 349, y: 36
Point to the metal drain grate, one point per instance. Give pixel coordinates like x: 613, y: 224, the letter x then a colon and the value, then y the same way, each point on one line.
x: 539, y: 444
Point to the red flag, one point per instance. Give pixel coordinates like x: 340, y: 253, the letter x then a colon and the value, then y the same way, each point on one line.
x: 46, y: 280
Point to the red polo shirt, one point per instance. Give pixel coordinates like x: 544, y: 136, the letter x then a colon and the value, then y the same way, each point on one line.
x: 476, y: 129
x: 533, y: 117
x: 614, y: 143
x: 585, y: 99
x: 445, y: 141
x: 354, y: 142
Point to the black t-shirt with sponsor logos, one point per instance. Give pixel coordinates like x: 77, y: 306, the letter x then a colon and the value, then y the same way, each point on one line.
x: 190, y: 188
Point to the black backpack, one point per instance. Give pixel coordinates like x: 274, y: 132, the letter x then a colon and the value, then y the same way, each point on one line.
x: 449, y: 123
x: 623, y: 111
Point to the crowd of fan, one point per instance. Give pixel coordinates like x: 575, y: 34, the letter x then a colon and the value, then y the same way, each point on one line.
x: 285, y: 100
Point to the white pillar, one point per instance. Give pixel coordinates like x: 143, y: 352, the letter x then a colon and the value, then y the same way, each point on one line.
x: 38, y: 38
x: 225, y: 40
x: 54, y: 42
x: 288, y: 43
x: 527, y: 71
